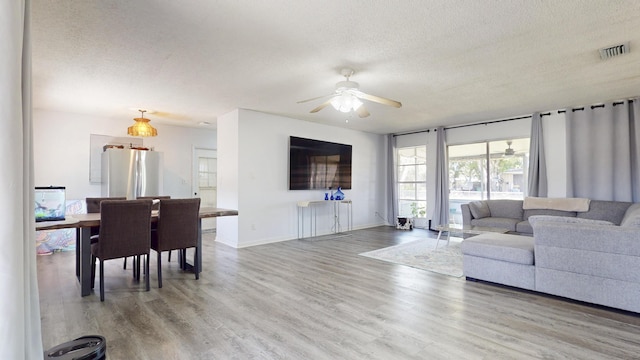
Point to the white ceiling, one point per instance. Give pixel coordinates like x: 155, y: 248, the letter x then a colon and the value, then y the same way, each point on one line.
x: 448, y: 61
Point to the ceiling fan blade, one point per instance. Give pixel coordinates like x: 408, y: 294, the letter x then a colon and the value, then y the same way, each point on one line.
x: 315, y: 98
x: 362, y: 111
x: 378, y: 99
x: 322, y: 106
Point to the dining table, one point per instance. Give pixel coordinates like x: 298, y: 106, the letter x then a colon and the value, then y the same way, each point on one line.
x: 83, y: 224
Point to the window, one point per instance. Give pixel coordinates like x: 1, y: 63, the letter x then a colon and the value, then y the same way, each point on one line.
x: 487, y: 170
x: 206, y: 173
x: 412, y: 181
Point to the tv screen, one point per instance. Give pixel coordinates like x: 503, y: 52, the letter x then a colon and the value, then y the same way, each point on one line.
x: 315, y: 164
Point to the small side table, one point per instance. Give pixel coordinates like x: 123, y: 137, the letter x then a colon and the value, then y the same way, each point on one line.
x: 465, y: 229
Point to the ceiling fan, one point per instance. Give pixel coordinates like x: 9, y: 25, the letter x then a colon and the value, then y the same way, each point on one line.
x: 347, y: 97
x: 509, y: 152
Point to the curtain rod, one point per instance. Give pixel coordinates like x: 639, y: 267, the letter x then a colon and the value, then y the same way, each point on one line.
x: 509, y: 119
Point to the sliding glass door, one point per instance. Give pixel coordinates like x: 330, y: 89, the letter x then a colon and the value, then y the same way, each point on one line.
x: 487, y: 170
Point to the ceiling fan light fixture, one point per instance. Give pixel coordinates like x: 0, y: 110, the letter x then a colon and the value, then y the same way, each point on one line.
x: 346, y: 102
x: 142, y: 127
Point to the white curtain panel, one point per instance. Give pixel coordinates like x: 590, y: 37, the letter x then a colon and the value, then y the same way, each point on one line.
x: 634, y: 134
x: 20, y: 334
x: 537, y: 178
x: 602, y: 152
x: 392, y: 208
x: 441, y: 211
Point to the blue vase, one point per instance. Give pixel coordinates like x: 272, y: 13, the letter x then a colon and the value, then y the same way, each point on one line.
x: 326, y: 196
x: 339, y: 195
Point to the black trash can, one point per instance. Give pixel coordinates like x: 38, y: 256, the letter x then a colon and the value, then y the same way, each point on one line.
x: 92, y: 347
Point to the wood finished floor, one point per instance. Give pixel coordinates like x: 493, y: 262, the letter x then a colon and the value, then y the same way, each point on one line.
x: 305, y: 299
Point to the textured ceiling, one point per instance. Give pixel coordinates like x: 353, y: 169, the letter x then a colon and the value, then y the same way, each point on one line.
x: 449, y: 61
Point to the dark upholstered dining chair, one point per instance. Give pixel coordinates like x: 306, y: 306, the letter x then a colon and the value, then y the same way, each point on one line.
x: 125, y: 230
x: 154, y: 207
x: 178, y: 227
x: 93, y: 207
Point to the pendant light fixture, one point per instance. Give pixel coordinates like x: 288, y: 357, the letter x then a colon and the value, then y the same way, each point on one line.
x: 142, y: 127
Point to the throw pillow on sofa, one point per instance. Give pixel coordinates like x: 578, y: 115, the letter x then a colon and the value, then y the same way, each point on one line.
x: 632, y: 217
x: 479, y: 209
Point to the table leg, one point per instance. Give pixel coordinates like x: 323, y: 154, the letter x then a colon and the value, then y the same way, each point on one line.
x: 438, y: 239
x: 187, y: 265
x: 78, y: 253
x: 199, y: 246
x: 85, y: 261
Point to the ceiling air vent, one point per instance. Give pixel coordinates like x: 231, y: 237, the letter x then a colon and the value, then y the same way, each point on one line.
x: 612, y: 51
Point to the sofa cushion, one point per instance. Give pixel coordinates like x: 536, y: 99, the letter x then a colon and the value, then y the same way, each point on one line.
x: 496, y: 222
x: 606, y: 210
x: 479, y: 209
x: 511, y: 209
x: 567, y: 220
x: 524, y: 227
x: 504, y: 247
x: 534, y: 212
x: 632, y: 216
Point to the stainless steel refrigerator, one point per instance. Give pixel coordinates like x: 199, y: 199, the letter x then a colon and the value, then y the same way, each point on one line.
x: 131, y: 173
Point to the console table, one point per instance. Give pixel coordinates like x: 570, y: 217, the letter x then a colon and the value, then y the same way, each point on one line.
x: 312, y: 207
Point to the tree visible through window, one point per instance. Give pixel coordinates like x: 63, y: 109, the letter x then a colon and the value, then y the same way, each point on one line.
x: 412, y: 181
x: 487, y: 170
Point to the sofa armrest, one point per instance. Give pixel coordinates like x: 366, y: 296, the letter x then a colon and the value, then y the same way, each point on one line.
x: 466, y: 214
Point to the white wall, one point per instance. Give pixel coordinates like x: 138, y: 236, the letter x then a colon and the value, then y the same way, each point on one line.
x: 228, y: 177
x: 61, y: 151
x: 259, y: 184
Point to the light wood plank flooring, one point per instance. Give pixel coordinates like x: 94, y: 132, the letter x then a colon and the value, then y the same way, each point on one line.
x: 305, y: 299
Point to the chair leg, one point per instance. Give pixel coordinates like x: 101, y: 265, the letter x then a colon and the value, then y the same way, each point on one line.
x: 184, y: 259
x: 146, y: 272
x: 125, y: 264
x: 93, y: 271
x: 160, y: 269
x: 169, y: 259
x: 101, y: 280
x: 134, y: 267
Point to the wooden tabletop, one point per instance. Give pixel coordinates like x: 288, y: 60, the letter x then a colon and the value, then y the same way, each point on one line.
x: 90, y: 220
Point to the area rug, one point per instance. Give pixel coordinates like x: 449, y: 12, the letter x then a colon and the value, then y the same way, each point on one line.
x: 422, y: 254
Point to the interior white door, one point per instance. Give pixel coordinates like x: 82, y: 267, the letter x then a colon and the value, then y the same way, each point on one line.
x: 205, y: 163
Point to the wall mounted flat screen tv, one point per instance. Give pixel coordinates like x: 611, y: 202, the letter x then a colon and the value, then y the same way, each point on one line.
x: 316, y: 164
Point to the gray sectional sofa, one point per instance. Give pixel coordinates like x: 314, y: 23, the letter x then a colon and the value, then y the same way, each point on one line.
x: 510, y: 214
x: 593, y: 258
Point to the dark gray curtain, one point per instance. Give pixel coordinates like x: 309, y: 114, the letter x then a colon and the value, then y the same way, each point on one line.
x: 392, y: 206
x: 537, y: 165
x: 441, y: 212
x: 602, y: 152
